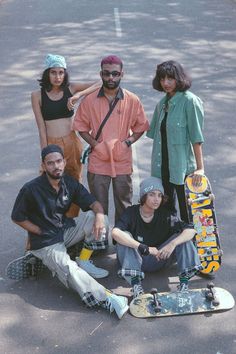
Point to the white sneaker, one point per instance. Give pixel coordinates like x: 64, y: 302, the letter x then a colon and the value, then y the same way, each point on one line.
x: 117, y: 303
x: 91, y: 269
x: 137, y: 290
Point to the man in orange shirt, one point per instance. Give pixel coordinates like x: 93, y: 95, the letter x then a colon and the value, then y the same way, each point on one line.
x: 111, y: 157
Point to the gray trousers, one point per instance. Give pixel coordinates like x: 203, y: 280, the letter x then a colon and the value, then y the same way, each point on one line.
x: 55, y: 257
x: 132, y: 263
x: 122, y: 191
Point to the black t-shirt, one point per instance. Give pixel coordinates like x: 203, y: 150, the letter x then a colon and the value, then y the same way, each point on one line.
x: 164, y: 151
x: 155, y: 233
x: 41, y: 204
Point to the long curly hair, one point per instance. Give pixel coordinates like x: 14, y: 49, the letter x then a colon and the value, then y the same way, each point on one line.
x: 44, y: 82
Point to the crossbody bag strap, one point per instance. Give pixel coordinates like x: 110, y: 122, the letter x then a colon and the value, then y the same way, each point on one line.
x: 88, y: 150
x: 106, y: 118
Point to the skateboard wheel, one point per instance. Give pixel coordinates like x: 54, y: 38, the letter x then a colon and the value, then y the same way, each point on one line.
x: 157, y: 309
x: 190, y: 201
x: 209, y: 296
x: 215, y: 302
x: 210, y: 285
x: 153, y: 291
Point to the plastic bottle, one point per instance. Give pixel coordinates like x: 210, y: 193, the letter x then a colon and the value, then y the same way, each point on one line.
x: 103, y: 234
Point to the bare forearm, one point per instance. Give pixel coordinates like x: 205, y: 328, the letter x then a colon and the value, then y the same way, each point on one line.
x: 86, y: 91
x: 97, y: 208
x: 124, y: 238
x: 82, y: 90
x: 39, y: 119
x: 99, y: 222
x: 166, y: 251
x: 185, y: 236
x: 29, y: 226
x: 197, y: 148
x: 43, y: 140
x: 88, y: 138
x: 134, y: 137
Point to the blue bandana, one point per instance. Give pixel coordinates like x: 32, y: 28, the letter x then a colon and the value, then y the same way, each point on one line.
x: 55, y: 61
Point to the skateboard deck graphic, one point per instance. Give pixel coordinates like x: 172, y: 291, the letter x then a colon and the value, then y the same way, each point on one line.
x: 201, y: 211
x: 27, y: 266
x: 181, y: 303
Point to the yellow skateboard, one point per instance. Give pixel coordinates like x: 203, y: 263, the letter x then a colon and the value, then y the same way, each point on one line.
x: 201, y: 211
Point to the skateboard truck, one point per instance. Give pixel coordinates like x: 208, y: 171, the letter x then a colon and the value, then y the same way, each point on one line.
x: 206, y: 195
x: 210, y: 253
x: 156, y: 304
x: 211, y: 294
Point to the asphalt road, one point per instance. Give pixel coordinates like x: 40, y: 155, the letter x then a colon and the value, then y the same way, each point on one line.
x: 42, y: 316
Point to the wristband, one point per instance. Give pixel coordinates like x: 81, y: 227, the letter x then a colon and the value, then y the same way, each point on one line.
x: 128, y: 143
x: 143, y: 249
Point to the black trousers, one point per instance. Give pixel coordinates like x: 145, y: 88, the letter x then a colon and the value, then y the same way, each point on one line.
x: 173, y: 191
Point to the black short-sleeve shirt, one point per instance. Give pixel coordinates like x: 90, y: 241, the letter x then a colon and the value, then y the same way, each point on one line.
x: 155, y: 233
x: 41, y: 204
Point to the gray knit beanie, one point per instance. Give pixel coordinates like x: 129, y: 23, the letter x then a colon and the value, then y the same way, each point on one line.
x: 150, y: 184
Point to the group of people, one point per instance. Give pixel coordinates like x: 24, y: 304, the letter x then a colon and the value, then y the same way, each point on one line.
x: 56, y: 209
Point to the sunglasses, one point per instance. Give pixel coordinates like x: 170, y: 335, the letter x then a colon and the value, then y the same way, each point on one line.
x: 106, y: 73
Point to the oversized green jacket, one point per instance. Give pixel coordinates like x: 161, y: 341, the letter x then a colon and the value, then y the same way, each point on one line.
x: 184, y: 128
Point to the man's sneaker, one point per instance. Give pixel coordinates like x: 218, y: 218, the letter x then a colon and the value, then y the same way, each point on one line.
x: 182, y: 287
x: 90, y: 268
x: 117, y: 303
x: 137, y: 290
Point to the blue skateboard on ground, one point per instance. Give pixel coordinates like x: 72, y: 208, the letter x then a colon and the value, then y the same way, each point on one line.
x: 210, y: 299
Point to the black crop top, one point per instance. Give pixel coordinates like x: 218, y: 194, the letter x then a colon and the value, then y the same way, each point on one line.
x: 55, y: 109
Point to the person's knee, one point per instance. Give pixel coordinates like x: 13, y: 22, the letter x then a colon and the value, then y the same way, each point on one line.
x: 185, y: 246
x: 120, y: 248
x: 90, y: 215
x: 127, y: 254
x: 121, y: 252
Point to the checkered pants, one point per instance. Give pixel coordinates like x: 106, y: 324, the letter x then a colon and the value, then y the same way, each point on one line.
x: 55, y: 257
x: 84, y: 231
x: 133, y: 264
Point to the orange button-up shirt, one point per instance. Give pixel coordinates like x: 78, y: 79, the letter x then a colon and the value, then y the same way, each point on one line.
x: 111, y: 156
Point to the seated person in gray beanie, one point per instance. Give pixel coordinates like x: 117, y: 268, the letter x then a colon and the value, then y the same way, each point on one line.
x: 149, y: 238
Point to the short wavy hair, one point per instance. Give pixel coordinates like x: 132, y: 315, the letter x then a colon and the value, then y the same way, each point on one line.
x: 44, y: 82
x: 174, y: 70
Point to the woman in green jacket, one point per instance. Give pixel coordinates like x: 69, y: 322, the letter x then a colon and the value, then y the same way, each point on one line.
x: 176, y: 130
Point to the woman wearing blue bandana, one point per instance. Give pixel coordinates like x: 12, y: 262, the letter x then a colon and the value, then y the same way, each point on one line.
x: 53, y: 113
